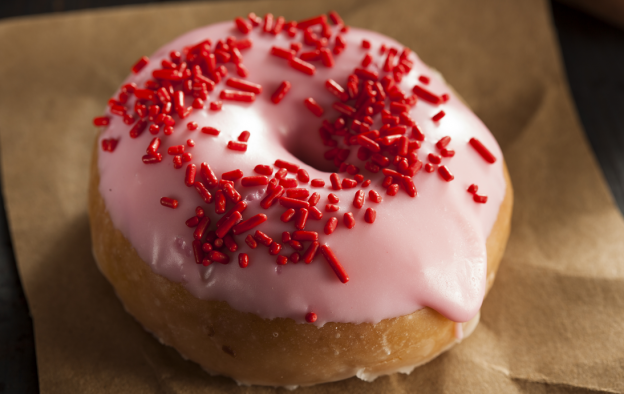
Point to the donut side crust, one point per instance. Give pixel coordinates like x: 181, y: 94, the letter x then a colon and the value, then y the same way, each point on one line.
x: 276, y: 352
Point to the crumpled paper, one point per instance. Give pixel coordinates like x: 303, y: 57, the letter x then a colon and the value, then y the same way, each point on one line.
x: 554, y: 320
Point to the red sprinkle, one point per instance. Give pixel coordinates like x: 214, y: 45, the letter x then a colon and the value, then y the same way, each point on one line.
x: 208, y: 175
x: 438, y: 116
x: 301, y: 218
x: 392, y: 190
x: 317, y: 20
x: 231, y: 193
x: 368, y: 143
x: 220, y: 202
x: 332, y: 208
x: 234, y: 95
x: 302, y: 176
x: 243, y: 260
x: 447, y: 152
x: 272, y: 196
x: 281, y: 173
x: 216, y: 105
x: 299, y: 193
x: 472, y: 189
x: 367, y: 60
x: 203, y: 192
x: 287, y: 215
x: 189, y: 179
x: 281, y: 91
x: 249, y: 223
x: 334, y: 263
x: 409, y: 186
x: 229, y: 243
x: 370, y: 215
x: 479, y: 199
x: 417, y: 133
x: 218, y: 257
x: 358, y: 199
x: 244, y: 85
x: 313, y: 106
x: 366, y: 44
x: 288, y: 183
x: 138, y: 66
x: 305, y: 236
x: 333, y: 15
x: 282, y: 260
x: 197, y: 251
x: 337, y: 90
x: 482, y: 150
x: 177, y: 161
x: 228, y: 223
x: 302, y: 66
x: 365, y: 74
x: 317, y: 183
x: 327, y: 58
x: 314, y: 199
x: 344, y: 109
x: 288, y: 202
x: 210, y: 131
x: 101, y: 121
x: 443, y: 142
x: 274, y: 248
x: 175, y: 150
x: 232, y: 175
x: 445, y: 173
x: 237, y: 146
x: 258, y: 180
x: 138, y: 128
x: 278, y: 26
x: 426, y: 95
x: 291, y: 167
x: 433, y: 158
x: 335, y: 181
x: 310, y: 317
x: 283, y: 53
x: 316, y: 213
x: 169, y: 202
x: 331, y: 225
x: 200, y: 230
x: 349, y: 220
x: 110, y: 144
x: 244, y: 136
x: 268, y: 23
x: 374, y: 196
x: 308, y: 256
x: 242, y: 25
x: 251, y: 242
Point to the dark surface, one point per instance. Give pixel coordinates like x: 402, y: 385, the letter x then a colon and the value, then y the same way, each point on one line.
x: 18, y: 366
x: 593, y: 52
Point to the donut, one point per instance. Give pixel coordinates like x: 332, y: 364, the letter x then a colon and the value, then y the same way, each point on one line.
x: 290, y: 203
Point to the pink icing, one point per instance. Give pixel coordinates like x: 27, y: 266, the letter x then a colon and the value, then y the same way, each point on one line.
x: 423, y: 251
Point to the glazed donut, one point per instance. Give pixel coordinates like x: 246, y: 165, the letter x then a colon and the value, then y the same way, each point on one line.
x: 296, y: 203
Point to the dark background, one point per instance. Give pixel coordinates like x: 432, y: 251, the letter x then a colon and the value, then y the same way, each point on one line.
x: 593, y: 53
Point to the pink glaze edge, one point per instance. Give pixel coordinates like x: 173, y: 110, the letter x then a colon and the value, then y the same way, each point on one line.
x: 427, y: 251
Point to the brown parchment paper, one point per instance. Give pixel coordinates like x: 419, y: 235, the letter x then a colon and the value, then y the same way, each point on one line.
x: 554, y: 320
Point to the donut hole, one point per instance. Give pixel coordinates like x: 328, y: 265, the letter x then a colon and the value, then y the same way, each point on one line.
x: 307, y: 146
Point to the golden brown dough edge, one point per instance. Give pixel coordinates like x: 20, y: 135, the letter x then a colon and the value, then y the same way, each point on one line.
x: 276, y: 352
